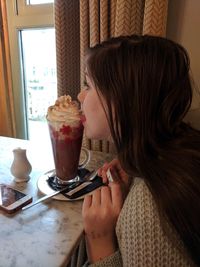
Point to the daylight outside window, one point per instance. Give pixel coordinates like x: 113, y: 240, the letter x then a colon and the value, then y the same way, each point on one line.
x: 39, y: 65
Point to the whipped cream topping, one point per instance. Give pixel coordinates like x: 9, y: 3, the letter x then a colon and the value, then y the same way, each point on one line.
x: 64, y: 110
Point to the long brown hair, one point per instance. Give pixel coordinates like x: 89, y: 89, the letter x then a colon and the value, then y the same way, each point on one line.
x: 146, y: 79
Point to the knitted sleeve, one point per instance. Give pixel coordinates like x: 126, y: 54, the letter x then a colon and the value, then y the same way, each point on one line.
x: 111, y: 261
x: 141, y: 239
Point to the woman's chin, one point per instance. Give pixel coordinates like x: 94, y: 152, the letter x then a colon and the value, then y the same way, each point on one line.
x: 88, y: 134
x: 96, y: 135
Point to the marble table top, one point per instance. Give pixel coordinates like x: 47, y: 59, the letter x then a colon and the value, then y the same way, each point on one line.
x: 46, y: 234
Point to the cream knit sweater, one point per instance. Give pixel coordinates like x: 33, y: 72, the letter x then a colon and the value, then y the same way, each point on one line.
x: 141, y: 239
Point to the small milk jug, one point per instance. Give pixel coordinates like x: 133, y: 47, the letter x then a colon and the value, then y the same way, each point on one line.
x: 21, y: 167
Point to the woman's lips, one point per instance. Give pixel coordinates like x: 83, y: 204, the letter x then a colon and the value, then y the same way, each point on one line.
x: 83, y: 118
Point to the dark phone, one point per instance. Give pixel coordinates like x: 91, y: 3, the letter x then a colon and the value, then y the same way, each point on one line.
x: 11, y: 200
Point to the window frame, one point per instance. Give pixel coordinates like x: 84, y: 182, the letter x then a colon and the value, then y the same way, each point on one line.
x: 26, y: 10
x: 22, y: 16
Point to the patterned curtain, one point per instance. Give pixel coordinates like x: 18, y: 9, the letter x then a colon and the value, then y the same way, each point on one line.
x: 99, y: 20
x: 7, y: 118
x: 67, y: 46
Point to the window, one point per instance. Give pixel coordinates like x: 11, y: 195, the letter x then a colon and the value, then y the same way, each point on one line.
x: 36, y: 2
x: 39, y: 71
x: 33, y: 59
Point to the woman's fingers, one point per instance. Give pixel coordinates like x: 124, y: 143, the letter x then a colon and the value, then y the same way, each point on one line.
x: 86, y: 203
x: 96, y: 197
x: 102, y: 168
x: 99, y: 171
x: 105, y: 195
x: 113, y: 176
x: 116, y: 195
x: 102, y: 173
x: 110, y: 175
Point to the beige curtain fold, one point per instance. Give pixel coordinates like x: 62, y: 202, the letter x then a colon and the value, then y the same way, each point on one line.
x: 7, y: 118
x: 155, y: 17
x: 66, y: 14
x: 98, y: 20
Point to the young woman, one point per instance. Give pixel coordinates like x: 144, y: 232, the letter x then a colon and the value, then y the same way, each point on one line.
x: 138, y: 92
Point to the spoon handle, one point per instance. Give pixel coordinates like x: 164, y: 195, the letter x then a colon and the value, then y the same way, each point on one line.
x: 44, y: 198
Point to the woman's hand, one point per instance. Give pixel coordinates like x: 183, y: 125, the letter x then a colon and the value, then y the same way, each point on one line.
x: 100, y: 213
x: 118, y: 175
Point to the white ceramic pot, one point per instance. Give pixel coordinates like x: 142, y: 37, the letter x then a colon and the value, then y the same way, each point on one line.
x: 21, y: 167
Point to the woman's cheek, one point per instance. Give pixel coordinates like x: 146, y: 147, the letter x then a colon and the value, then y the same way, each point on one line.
x: 96, y: 125
x: 93, y: 130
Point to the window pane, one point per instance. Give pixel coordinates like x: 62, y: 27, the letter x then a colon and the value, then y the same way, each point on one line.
x: 39, y: 64
x: 37, y: 2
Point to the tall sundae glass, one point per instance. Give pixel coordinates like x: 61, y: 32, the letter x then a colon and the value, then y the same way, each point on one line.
x: 66, y: 133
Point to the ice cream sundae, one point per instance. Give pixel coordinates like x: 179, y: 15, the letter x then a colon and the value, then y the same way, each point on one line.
x: 66, y: 132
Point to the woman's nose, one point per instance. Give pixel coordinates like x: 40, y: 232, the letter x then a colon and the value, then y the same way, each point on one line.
x: 81, y: 95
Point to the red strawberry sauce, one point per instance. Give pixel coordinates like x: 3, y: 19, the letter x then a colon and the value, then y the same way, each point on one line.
x: 66, y: 145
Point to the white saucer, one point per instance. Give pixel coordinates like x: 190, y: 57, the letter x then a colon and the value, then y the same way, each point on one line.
x: 45, y: 189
